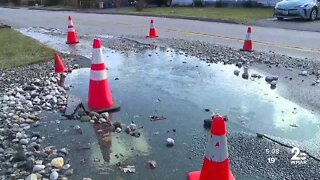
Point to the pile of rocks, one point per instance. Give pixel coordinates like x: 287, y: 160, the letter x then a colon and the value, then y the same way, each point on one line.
x: 24, y: 93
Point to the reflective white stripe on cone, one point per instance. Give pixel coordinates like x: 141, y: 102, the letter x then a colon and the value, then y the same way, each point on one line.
x: 71, y: 30
x: 98, y: 75
x: 217, y: 149
x: 151, y: 26
x: 97, y: 56
x: 248, y: 36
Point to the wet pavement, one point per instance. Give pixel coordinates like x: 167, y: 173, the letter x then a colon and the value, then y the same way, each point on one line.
x: 165, y: 82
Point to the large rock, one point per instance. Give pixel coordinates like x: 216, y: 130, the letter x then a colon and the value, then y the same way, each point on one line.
x: 54, y: 175
x: 57, y: 162
x: 24, y: 141
x: 37, y: 168
x: 32, y: 177
x: 170, y: 142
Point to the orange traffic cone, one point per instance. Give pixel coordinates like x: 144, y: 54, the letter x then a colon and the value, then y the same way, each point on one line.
x: 58, y: 64
x: 72, y: 35
x: 99, y: 96
x: 153, y: 31
x: 247, y: 46
x: 216, y: 161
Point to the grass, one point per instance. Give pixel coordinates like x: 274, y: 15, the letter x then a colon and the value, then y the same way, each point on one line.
x: 17, y: 49
x: 238, y: 14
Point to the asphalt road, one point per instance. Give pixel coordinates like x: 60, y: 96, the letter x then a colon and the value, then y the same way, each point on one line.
x: 283, y: 41
x: 294, y: 24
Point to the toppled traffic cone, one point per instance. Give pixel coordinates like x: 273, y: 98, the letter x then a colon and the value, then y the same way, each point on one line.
x: 72, y: 35
x: 216, y: 160
x: 247, y: 46
x: 58, y: 64
x: 153, y: 31
x: 99, y: 96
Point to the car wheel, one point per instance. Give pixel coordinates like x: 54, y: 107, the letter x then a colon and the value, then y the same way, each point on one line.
x: 280, y: 18
x: 313, y: 14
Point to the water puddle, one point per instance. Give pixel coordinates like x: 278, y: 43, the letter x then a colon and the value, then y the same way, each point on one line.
x: 179, y: 87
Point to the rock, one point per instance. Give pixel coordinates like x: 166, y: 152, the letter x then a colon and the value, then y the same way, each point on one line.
x: 36, y: 124
x: 117, y: 125
x: 304, y: 73
x: 54, y: 175
x: 37, y: 108
x: 78, y: 129
x: 92, y: 121
x: 207, y: 123
x: 245, y: 74
x: 29, y: 121
x: 118, y: 130
x: 129, y: 169
x: 105, y: 115
x: 156, y: 118
x: 53, y: 79
x: 273, y: 83
x: 64, y: 151
x: 69, y: 172
x: 29, y: 88
x: 24, y: 141
x: 133, y: 127
x: 271, y: 78
x: 48, y: 97
x: 127, y: 130
x: 152, y: 164
x: 102, y: 120
x: 37, y: 168
x: 5, y: 98
x: 19, y: 156
x: 255, y: 76
x: 236, y: 72
x: 29, y: 164
x: 32, y: 177
x: 73, y: 103
x: 36, y: 101
x: 92, y: 113
x: 39, y: 162
x: 33, y: 117
x: 85, y: 118
x: 170, y: 142
x: 135, y: 134
x: 19, y: 135
x: 57, y: 162
x: 66, y: 166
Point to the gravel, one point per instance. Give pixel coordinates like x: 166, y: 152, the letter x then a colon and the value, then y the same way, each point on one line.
x: 24, y: 93
x: 248, y: 156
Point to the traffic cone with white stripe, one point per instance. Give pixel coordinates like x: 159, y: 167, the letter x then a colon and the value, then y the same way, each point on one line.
x: 99, y: 95
x: 247, y: 46
x: 72, y: 35
x: 216, y: 161
x: 153, y: 31
x: 58, y: 64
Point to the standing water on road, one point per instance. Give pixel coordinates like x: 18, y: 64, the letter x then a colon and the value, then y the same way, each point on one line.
x: 164, y: 82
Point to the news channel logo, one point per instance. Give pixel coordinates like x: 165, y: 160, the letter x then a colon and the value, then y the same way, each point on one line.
x: 297, y: 158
